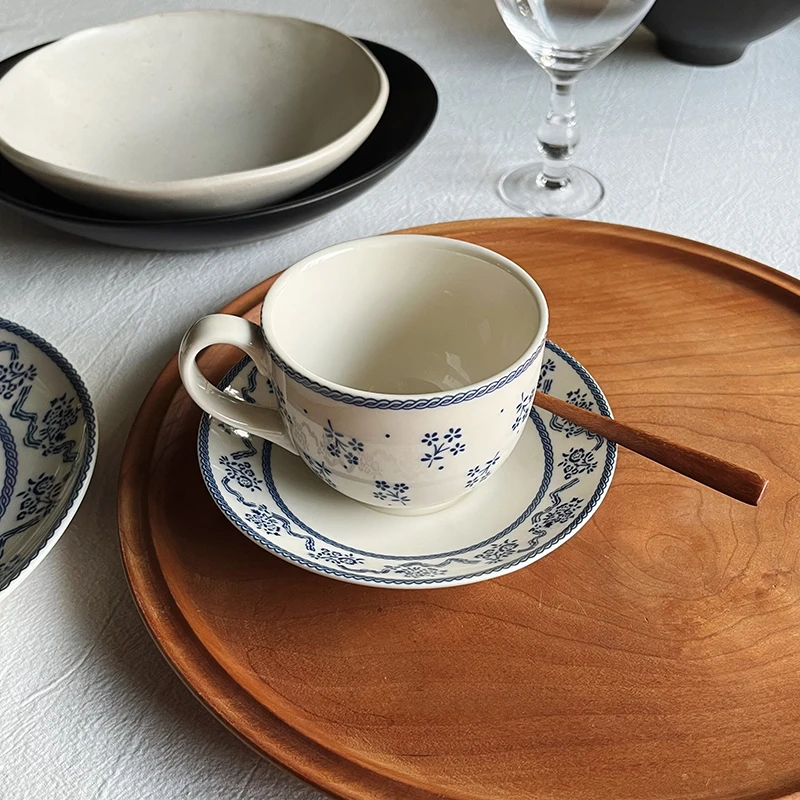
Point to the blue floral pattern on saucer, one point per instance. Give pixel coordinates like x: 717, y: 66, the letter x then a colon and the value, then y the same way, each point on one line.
x: 551, y: 484
x: 48, y: 443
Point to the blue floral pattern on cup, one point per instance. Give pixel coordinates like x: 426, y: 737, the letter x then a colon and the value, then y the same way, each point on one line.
x: 394, y: 493
x: 522, y: 410
x: 437, y: 447
x: 481, y: 472
x: 345, y: 449
x: 545, y: 375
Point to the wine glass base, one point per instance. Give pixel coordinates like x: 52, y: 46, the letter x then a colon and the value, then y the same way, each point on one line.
x: 524, y: 190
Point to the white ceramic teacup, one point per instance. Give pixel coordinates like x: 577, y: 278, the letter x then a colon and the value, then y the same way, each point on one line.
x: 404, y: 367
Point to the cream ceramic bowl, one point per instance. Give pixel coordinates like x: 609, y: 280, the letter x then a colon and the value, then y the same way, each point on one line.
x: 190, y: 113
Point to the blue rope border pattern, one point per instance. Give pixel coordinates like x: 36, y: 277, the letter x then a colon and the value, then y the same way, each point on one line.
x: 408, y: 404
x: 91, y: 433
x: 589, y: 509
x: 12, y: 466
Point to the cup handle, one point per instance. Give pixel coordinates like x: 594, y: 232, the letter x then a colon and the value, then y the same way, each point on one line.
x: 227, y: 329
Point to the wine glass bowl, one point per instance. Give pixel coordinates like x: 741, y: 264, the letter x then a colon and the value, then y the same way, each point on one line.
x: 565, y: 38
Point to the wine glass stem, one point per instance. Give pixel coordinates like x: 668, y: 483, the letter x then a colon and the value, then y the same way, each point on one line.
x: 558, y: 134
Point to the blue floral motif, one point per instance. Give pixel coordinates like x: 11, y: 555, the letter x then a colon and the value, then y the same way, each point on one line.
x: 50, y: 434
x: 242, y: 472
x: 581, y: 399
x: 481, y: 472
x: 578, y: 398
x: 344, y: 448
x: 523, y: 409
x: 37, y: 500
x: 394, y: 493
x: 320, y: 469
x: 577, y: 461
x: 499, y: 551
x: 558, y: 512
x: 545, y: 382
x: 439, y: 447
x: 62, y: 413
x: 266, y: 522
x: 338, y: 559
x: 269, y: 523
x: 14, y: 375
x: 39, y: 497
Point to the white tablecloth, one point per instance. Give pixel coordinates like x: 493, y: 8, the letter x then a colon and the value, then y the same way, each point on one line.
x: 88, y: 708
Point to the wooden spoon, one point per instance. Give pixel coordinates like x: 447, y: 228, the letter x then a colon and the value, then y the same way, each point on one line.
x: 730, y: 479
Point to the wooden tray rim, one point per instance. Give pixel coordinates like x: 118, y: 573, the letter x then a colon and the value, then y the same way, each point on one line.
x: 172, y: 634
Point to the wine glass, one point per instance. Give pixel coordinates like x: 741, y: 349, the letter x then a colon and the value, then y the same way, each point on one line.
x: 564, y: 37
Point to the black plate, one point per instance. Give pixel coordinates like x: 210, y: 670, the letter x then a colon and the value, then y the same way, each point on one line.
x: 409, y: 114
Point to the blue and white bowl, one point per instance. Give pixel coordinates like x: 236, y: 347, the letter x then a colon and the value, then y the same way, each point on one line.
x: 48, y: 447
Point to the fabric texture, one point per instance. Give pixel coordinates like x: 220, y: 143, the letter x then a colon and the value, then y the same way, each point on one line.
x: 88, y: 707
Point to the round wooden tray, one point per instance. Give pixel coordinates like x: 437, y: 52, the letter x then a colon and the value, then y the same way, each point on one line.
x: 656, y: 655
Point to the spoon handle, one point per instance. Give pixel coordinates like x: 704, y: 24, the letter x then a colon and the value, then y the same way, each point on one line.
x: 730, y: 479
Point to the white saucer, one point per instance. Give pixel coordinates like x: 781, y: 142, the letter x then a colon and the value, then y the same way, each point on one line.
x: 551, y: 484
x: 48, y: 446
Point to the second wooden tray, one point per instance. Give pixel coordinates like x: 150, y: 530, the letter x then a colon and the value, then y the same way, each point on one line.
x: 654, y: 656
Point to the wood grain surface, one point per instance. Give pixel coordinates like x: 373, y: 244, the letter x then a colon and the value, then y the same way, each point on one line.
x: 656, y: 655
